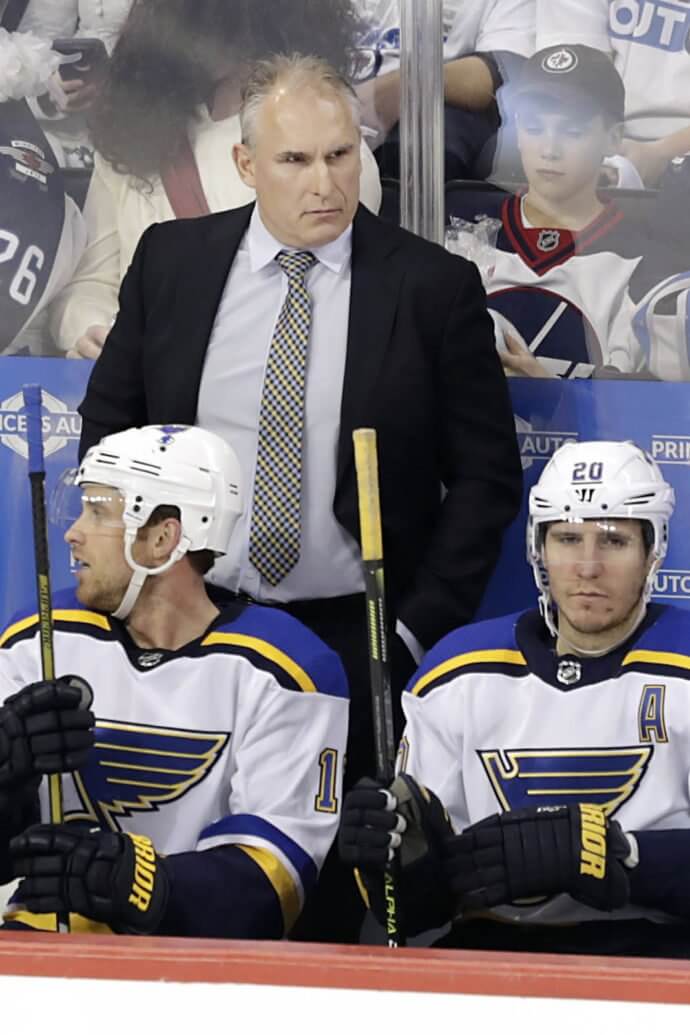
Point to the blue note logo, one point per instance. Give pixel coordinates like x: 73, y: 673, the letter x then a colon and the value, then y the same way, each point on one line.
x: 538, y: 446
x: 524, y: 777
x: 60, y: 424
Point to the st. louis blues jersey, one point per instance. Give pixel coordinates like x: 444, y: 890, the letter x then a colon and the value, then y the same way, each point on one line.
x: 235, y: 741
x: 569, y: 296
x: 496, y: 721
x: 649, y: 41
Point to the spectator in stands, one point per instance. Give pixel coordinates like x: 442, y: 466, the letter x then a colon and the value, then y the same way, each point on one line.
x: 164, y: 127
x: 485, y: 45
x: 648, y: 44
x: 568, y: 266
x: 42, y: 230
x: 61, y: 113
x: 398, y: 339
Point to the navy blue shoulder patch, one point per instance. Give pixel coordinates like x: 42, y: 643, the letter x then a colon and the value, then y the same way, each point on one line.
x: 488, y: 645
x: 278, y: 643
x: 68, y: 613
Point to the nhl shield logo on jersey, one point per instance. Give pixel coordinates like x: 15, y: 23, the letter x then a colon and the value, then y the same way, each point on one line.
x: 569, y: 672
x: 525, y: 777
x: 136, y: 768
x: 548, y: 240
x: 560, y: 61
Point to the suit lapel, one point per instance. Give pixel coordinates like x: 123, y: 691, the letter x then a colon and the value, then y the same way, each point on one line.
x: 206, y: 271
x: 374, y: 290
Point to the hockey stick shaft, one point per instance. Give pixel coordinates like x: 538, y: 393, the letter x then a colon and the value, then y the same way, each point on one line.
x: 32, y: 402
x: 366, y: 465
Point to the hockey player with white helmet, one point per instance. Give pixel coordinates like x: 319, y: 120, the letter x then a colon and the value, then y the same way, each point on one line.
x: 542, y: 797
x: 202, y: 787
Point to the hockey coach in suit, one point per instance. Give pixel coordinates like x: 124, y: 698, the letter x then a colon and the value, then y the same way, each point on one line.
x: 215, y: 318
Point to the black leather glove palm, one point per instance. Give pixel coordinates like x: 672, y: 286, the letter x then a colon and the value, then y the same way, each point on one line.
x: 409, y: 819
x: 539, y: 852
x: 46, y: 727
x: 117, y: 879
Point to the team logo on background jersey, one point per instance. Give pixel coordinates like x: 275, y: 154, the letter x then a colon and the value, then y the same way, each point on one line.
x: 29, y: 161
x: 525, y: 777
x: 60, y: 425
x: 135, y: 768
x: 560, y: 61
x: 552, y: 327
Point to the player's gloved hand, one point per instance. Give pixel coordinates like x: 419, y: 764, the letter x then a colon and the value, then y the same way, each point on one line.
x: 117, y: 879
x: 46, y: 727
x: 540, y: 852
x: 408, y: 819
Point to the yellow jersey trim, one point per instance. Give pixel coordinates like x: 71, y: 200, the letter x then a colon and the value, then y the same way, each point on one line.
x: 78, y: 924
x: 282, y: 883
x: 473, y: 657
x: 278, y: 657
x: 657, y: 657
x: 59, y: 615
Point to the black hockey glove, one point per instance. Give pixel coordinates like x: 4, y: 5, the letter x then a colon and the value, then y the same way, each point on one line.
x: 410, y: 819
x: 44, y: 728
x: 532, y: 853
x: 117, y: 879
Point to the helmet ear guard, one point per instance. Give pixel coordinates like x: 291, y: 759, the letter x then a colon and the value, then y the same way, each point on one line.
x: 183, y: 466
x: 598, y: 480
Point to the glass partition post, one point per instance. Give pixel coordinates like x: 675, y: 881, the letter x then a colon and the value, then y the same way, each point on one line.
x: 421, y: 118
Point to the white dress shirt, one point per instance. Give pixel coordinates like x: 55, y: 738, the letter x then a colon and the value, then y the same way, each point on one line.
x: 230, y: 398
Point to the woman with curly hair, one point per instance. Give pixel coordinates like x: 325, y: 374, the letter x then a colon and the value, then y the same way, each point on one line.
x: 170, y: 102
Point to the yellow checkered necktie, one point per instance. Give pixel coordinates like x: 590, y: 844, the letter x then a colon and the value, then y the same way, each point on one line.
x: 274, y: 537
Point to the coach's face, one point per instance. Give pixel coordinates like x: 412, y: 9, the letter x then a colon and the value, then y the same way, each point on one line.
x: 304, y: 164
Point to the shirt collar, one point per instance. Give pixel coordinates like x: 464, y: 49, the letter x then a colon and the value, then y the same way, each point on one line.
x: 263, y: 247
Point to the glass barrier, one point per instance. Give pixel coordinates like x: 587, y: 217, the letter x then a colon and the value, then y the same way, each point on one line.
x: 575, y: 211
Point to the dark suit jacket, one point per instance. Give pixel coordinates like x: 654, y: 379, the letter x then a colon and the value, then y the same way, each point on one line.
x: 421, y: 368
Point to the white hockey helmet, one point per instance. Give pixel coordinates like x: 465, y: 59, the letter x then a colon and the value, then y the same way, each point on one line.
x: 590, y: 480
x: 176, y: 465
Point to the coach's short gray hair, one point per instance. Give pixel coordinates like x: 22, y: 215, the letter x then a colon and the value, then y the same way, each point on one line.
x: 295, y: 70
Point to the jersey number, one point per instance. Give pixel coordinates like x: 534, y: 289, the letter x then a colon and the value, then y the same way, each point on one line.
x: 24, y: 281
x: 326, y: 800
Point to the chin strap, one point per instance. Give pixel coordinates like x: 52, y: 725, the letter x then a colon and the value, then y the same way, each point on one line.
x: 141, y: 573
x: 582, y: 652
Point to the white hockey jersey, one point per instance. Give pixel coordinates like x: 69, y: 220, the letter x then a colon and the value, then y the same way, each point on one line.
x: 469, y: 26
x: 496, y: 721
x: 566, y: 296
x: 649, y: 41
x: 236, y: 739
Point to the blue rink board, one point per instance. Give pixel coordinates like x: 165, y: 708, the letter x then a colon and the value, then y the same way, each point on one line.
x: 548, y: 413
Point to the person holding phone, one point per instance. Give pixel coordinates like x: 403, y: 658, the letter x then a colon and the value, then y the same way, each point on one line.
x: 88, y: 28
